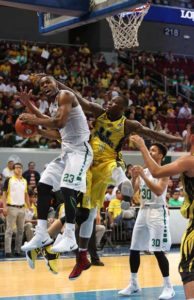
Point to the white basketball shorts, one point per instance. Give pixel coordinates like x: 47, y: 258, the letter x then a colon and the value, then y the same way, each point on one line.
x: 69, y: 169
x: 151, y: 230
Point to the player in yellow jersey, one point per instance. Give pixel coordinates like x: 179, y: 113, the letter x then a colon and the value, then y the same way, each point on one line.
x: 185, y: 166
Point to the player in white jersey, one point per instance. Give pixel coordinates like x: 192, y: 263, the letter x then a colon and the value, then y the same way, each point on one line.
x: 68, y: 171
x: 151, y: 230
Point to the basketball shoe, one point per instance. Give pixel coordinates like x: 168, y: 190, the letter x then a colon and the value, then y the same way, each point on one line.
x: 58, y: 239
x: 132, y: 288
x: 40, y: 239
x: 50, y: 258
x: 167, y: 293
x: 82, y: 264
x: 31, y: 257
x: 67, y: 242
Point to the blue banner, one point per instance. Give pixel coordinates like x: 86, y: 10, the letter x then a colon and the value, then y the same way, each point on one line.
x: 171, y: 15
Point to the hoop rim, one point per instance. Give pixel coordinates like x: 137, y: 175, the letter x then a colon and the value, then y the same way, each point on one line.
x: 140, y: 8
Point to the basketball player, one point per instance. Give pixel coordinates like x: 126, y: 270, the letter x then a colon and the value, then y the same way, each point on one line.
x: 111, y: 128
x: 68, y: 170
x: 185, y: 166
x: 151, y: 230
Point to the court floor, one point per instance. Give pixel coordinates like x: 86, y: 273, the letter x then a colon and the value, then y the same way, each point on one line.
x: 18, y: 281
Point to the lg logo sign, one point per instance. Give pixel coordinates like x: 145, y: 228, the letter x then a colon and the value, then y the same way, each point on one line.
x: 187, y: 14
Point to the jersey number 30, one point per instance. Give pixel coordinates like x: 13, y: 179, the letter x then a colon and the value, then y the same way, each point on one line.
x: 146, y: 194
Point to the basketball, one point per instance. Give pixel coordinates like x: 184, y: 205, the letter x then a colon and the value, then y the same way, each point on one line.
x: 25, y: 130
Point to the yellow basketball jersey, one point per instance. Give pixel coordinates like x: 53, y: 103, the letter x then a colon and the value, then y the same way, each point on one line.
x: 187, y: 208
x: 107, y: 138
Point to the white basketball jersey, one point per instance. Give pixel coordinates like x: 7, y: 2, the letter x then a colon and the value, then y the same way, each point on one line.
x: 53, y: 107
x: 76, y: 130
x: 147, y: 196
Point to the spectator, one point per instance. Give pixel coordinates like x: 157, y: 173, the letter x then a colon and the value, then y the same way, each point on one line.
x: 31, y: 175
x: 186, y: 136
x: 139, y: 113
x: 170, y: 186
x: 128, y: 171
x: 8, y: 171
x: 15, y: 196
x: 174, y: 200
x: 185, y: 112
x: 150, y: 106
x: 84, y: 49
x: 11, y: 88
x: 182, y: 195
x: 114, y: 209
x: 158, y: 126
x: 109, y: 193
x: 30, y: 215
x: 2, y: 85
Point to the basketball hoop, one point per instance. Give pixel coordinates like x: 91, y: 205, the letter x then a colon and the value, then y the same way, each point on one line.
x: 124, y: 27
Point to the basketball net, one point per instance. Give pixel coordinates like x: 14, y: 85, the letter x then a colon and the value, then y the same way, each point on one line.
x: 124, y: 27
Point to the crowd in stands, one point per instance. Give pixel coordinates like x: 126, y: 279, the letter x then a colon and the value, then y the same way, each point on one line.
x: 89, y: 74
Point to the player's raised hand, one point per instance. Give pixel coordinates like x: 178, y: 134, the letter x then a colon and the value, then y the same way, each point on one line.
x: 28, y: 118
x: 137, y: 171
x: 137, y: 141
x: 24, y: 95
x: 134, y: 172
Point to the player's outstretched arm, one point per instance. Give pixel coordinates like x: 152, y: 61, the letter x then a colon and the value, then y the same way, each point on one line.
x: 180, y: 165
x: 86, y: 105
x: 135, y: 127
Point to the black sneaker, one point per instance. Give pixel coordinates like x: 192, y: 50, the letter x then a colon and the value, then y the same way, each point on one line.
x: 97, y: 263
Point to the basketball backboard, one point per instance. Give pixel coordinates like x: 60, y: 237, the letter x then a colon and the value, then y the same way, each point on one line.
x: 70, y: 7
x: 50, y: 23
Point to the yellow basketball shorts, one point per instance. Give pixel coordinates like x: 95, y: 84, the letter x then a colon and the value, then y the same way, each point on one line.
x: 186, y: 266
x: 98, y: 178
